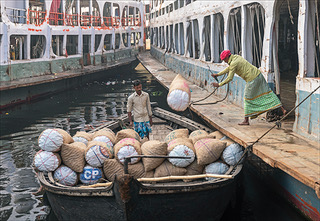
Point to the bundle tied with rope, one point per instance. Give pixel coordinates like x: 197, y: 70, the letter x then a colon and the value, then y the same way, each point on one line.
x: 179, y: 95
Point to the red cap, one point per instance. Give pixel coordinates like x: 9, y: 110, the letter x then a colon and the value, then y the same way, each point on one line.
x: 225, y: 54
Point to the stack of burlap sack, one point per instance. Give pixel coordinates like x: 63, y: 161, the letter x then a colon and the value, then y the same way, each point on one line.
x: 88, y: 158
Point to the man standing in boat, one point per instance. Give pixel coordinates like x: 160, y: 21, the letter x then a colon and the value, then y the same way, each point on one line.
x: 258, y: 97
x: 139, y: 107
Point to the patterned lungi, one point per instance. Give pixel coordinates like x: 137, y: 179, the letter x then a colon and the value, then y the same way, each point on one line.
x: 259, y: 98
x: 142, y: 128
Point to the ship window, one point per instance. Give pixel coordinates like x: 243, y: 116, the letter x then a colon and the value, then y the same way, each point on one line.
x: 217, y: 37
x: 156, y: 14
x: 181, y: 3
x: 171, y: 49
x: 37, y: 12
x: 188, y: 2
x: 96, y: 15
x: 152, y: 36
x: 176, y: 38
x: 189, y: 40
x: 86, y: 44
x: 131, y: 16
x: 124, y: 20
x: 163, y: 12
x: 117, y: 41
x: 116, y: 14
x: 255, y: 33
x: 125, y: 39
x: 138, y: 37
x: 18, y: 47
x: 57, y: 44
x: 234, y: 31
x: 71, y: 14
x: 72, y: 44
x: 162, y: 37
x: 85, y: 17
x: 37, y: 45
x: 107, y: 15
x: 137, y: 18
x: 207, y: 36
x: 167, y: 38
x: 97, y: 41
x: 313, y: 40
x: 176, y: 5
x: 156, y: 36
x: 16, y: 15
x: 196, y: 39
x: 171, y: 7
x: 132, y: 39
x: 181, y: 38
x: 107, y: 45
x: 167, y: 9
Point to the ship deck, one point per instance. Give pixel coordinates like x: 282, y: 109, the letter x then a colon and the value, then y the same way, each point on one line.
x: 281, y: 148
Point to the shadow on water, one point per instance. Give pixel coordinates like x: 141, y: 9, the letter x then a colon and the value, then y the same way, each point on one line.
x: 89, y: 105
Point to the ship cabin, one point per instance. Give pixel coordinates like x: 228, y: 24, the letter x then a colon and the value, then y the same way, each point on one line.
x: 280, y: 37
x: 39, y: 37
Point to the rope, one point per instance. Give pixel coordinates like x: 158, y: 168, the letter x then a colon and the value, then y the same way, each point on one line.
x: 291, y: 17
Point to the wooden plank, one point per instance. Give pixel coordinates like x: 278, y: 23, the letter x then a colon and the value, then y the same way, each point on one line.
x: 180, y: 120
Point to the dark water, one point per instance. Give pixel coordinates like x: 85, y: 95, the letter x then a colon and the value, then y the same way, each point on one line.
x: 83, y: 107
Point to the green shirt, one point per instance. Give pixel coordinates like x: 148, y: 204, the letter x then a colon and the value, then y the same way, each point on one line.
x: 241, y: 67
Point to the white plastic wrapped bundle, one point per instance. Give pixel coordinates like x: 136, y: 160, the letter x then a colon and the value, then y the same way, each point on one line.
x: 97, y: 153
x: 179, y: 94
x: 66, y: 176
x: 216, y: 168
x: 178, y: 100
x: 104, y: 139
x: 50, y: 140
x: 90, y: 175
x: 232, y: 154
x: 81, y: 139
x: 125, y: 151
x: 181, y: 151
x: 47, y: 161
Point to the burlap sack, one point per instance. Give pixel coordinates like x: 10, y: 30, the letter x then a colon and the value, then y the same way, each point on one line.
x: 179, y: 94
x: 153, y: 147
x: 52, y: 139
x: 98, y: 152
x: 149, y: 174
x: 177, y: 134
x: 112, y: 167
x: 104, y: 132
x: 82, y: 136
x: 136, y: 170
x: 46, y: 161
x: 127, y: 133
x: 217, y: 134
x: 198, y: 135
x: 167, y: 169
x: 194, y: 169
x: 127, y: 147
x: 73, y: 156
x: 227, y: 140
x: 209, y: 150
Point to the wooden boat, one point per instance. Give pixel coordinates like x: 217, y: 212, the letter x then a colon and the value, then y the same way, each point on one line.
x: 132, y: 199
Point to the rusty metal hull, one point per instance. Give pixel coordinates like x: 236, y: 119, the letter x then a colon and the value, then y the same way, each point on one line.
x: 128, y: 199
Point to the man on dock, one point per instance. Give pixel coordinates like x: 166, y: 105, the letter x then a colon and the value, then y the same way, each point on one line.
x: 258, y: 97
x: 139, y: 107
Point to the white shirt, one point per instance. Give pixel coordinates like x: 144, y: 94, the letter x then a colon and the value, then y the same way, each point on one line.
x: 139, y: 106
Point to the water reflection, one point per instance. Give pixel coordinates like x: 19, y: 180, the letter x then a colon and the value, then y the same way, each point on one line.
x: 74, y: 110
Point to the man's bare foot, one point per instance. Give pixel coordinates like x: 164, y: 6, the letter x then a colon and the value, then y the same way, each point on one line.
x: 244, y: 123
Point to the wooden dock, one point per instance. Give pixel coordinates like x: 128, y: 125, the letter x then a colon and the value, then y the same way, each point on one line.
x: 281, y: 148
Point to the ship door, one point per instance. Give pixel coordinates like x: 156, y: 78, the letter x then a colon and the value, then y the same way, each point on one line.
x: 86, y: 50
x: 286, y: 63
